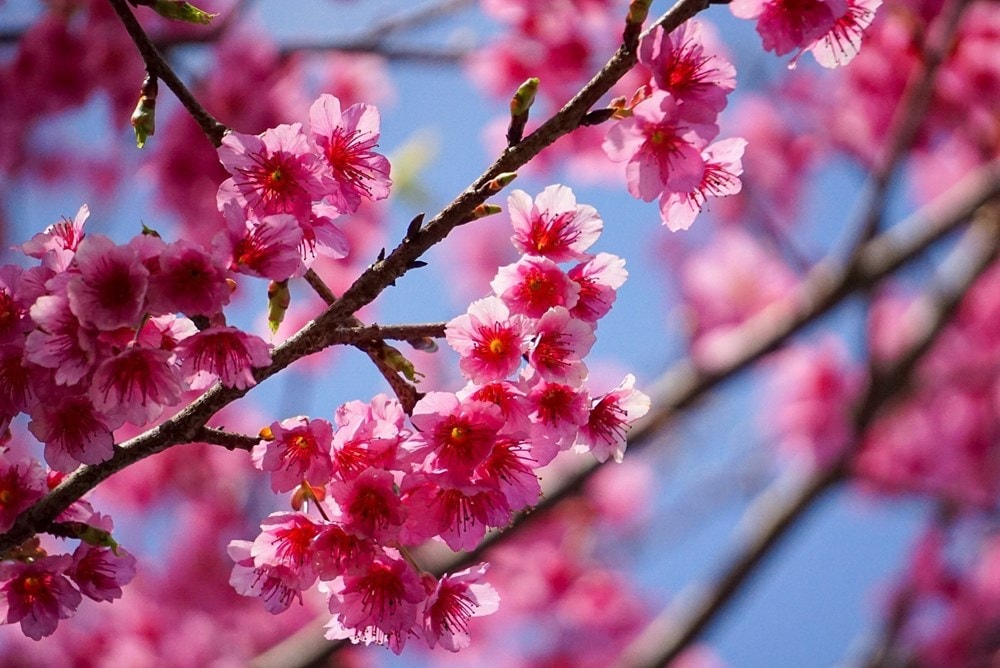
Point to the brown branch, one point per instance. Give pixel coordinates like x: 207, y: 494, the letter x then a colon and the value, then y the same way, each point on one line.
x: 156, y: 65
x: 227, y: 439
x: 672, y: 631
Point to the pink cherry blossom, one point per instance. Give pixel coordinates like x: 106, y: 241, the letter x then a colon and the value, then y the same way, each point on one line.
x: 459, y: 513
x: 345, y: 138
x: 489, y: 339
x: 57, y: 245
x: 368, y: 434
x: 264, y: 582
x: 275, y: 172
x: 370, y: 505
x: 558, y: 411
x: 110, y: 290
x: 509, y: 469
x: 599, y: 279
x: 683, y: 65
x: 100, y: 572
x: 22, y: 482
x: 533, y: 285
x: 299, y: 449
x: 136, y: 385
x: 37, y: 594
x: 268, y: 247
x: 843, y: 41
x: 723, y: 168
x: 456, y: 598
x: 787, y: 25
x: 378, y: 604
x: 453, y: 435
x: 286, y: 542
x: 559, y: 344
x: 554, y: 225
x: 610, y: 418
x: 188, y: 280
x: 74, y: 431
x: 661, y: 144
x: 224, y: 353
x: 60, y: 343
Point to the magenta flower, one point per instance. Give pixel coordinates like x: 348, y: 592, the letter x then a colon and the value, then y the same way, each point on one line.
x: 57, y: 245
x: 554, y: 225
x: 453, y: 435
x: 457, y: 598
x: 559, y: 345
x: 265, y: 582
x: 683, y: 66
x: 110, y: 290
x: 268, y: 247
x: 489, y: 339
x: 370, y: 505
x: 299, y: 450
x: 286, y: 542
x: 721, y: 178
x: 610, y: 418
x: 21, y: 484
x: 599, y: 280
x: 843, y: 41
x: 321, y: 237
x: 59, y: 343
x: 223, y: 353
x: 189, y: 281
x: 74, y: 431
x: 100, y: 572
x: 368, y: 435
x: 275, y: 172
x: 14, y: 321
x: 509, y: 397
x: 509, y: 469
x: 557, y: 411
x: 136, y: 384
x: 533, y: 285
x: 37, y: 594
x: 378, y: 604
x: 661, y: 144
x: 459, y: 514
x: 787, y: 25
x: 353, y: 171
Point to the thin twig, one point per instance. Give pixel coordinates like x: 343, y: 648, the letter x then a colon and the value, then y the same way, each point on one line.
x: 156, y: 64
x: 227, y: 439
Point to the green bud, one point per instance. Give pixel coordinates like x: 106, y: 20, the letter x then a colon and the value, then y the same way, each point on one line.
x: 500, y: 182
x: 524, y: 97
x: 179, y: 10
x: 144, y: 117
x: 638, y: 10
x: 399, y: 363
x: 279, y: 297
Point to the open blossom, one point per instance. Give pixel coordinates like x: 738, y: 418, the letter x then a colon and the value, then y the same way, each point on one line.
x: 377, y: 604
x: 136, y: 384
x: 286, y: 542
x: 57, y: 245
x: 787, y: 25
x: 661, y: 144
x: 74, y: 432
x: 299, y: 449
x: 557, y: 411
x: 489, y: 339
x: 684, y: 66
x: 224, y: 353
x: 370, y: 505
x: 843, y: 41
x: 345, y: 138
x: 267, y: 247
x: 275, y: 172
x: 453, y: 435
x: 456, y: 598
x: 459, y: 513
x: 368, y: 435
x: 21, y: 484
x: 60, y: 342
x: 533, y: 285
x: 110, y: 290
x: 599, y: 279
x: 721, y: 178
x: 265, y: 582
x: 610, y: 418
x: 554, y: 225
x: 559, y: 345
x: 100, y: 572
x: 37, y: 594
x: 188, y: 280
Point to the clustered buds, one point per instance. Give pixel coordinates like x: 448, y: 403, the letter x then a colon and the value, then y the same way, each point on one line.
x: 374, y: 484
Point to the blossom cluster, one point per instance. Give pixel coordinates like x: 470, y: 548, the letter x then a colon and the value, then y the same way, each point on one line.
x: 286, y: 189
x: 666, y: 140
x: 462, y: 462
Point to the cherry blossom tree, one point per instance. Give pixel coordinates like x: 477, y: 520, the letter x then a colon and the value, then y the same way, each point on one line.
x: 481, y: 485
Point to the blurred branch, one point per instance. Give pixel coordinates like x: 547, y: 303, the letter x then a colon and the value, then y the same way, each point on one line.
x: 778, y: 508
x: 417, y: 54
x: 907, y: 119
x: 158, y: 67
x: 687, y: 382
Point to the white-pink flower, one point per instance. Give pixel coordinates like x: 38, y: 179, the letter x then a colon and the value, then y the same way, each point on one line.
x: 489, y: 339
x: 553, y: 225
x: 559, y: 344
x: 457, y: 598
x: 610, y: 418
x: 721, y: 178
